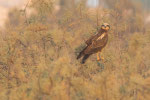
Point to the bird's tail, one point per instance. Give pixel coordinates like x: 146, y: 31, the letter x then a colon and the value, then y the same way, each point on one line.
x: 85, y: 58
x: 81, y: 53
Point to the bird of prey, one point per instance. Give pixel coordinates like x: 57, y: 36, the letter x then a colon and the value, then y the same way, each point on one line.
x: 95, y: 43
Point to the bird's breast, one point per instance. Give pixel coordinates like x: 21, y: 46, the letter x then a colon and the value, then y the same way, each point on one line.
x: 101, y: 36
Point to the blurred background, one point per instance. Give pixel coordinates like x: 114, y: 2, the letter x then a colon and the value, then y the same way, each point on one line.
x: 6, y: 5
x: 40, y: 39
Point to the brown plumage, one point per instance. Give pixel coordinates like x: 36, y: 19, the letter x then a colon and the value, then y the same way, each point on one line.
x: 95, y: 43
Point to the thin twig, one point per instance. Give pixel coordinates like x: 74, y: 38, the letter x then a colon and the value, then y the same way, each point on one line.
x: 25, y: 9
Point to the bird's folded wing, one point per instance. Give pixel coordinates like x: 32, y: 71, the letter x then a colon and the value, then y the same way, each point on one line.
x: 98, y: 43
x: 89, y: 41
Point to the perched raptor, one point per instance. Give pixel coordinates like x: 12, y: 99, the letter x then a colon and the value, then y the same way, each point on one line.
x: 95, y: 43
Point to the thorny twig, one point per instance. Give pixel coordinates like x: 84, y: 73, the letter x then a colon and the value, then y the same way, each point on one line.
x: 24, y: 11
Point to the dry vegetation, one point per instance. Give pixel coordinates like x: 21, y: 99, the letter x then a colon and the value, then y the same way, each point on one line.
x: 38, y: 53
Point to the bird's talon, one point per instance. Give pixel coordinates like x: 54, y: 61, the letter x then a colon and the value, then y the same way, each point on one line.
x: 102, y: 58
x: 98, y: 59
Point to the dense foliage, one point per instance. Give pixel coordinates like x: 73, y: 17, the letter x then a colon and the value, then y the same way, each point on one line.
x: 38, y: 53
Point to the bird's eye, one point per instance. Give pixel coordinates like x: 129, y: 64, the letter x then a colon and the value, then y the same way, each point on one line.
x: 108, y: 26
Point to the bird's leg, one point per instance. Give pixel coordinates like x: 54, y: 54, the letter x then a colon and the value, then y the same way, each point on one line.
x: 101, y: 57
x: 98, y: 56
